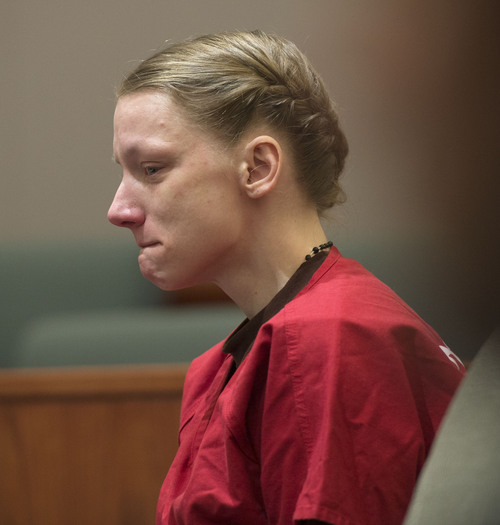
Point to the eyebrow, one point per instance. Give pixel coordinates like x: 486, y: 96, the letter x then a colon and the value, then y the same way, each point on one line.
x: 131, y: 151
x: 153, y: 149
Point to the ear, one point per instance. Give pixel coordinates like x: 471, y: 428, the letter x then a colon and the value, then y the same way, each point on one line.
x: 262, y: 166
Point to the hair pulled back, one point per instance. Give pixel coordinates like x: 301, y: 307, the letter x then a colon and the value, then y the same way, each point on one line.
x: 225, y: 82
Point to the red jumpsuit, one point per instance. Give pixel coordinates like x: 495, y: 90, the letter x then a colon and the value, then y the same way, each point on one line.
x: 321, y: 407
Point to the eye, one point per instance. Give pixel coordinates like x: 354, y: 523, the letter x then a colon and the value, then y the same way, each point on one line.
x: 151, y: 170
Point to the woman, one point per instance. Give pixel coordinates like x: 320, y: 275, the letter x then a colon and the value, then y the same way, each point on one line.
x: 322, y: 405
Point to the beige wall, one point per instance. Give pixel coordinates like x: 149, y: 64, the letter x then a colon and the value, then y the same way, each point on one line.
x: 418, y: 94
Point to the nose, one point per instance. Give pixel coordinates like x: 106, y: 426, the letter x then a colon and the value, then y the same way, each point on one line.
x: 125, y: 210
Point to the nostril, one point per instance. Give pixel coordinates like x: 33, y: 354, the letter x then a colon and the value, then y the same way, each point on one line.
x: 127, y: 224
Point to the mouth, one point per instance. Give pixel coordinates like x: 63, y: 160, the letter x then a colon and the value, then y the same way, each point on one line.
x: 143, y: 245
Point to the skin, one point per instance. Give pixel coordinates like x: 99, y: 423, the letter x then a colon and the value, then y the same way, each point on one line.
x: 201, y: 212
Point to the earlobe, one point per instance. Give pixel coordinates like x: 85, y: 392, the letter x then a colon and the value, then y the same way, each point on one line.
x: 263, y: 166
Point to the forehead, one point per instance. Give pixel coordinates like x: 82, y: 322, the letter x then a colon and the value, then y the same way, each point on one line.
x: 147, y: 113
x: 153, y: 120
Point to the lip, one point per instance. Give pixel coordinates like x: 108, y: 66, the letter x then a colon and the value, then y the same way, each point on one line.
x: 147, y: 244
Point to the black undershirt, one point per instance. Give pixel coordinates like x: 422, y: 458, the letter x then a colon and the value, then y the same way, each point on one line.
x: 241, y: 340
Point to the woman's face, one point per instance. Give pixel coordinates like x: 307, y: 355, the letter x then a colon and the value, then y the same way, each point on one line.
x: 179, y: 194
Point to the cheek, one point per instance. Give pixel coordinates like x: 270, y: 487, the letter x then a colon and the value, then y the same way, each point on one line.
x: 164, y: 200
x: 175, y: 211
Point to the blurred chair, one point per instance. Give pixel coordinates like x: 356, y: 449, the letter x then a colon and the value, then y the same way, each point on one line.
x: 41, y: 279
x: 85, y: 302
x: 460, y: 482
x: 131, y: 336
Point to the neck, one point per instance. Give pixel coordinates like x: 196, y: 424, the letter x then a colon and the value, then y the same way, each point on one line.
x: 265, y: 262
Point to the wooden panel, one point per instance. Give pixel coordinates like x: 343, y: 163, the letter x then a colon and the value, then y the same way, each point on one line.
x: 86, y: 446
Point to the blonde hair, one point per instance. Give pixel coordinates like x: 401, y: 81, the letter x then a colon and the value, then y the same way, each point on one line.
x: 225, y: 82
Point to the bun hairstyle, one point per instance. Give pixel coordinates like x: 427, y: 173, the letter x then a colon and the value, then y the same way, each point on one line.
x: 225, y: 82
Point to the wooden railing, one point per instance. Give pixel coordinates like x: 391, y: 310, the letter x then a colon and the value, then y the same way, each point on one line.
x: 86, y: 446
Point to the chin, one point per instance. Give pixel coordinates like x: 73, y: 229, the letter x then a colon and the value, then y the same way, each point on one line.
x: 156, y: 279
x: 164, y: 282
